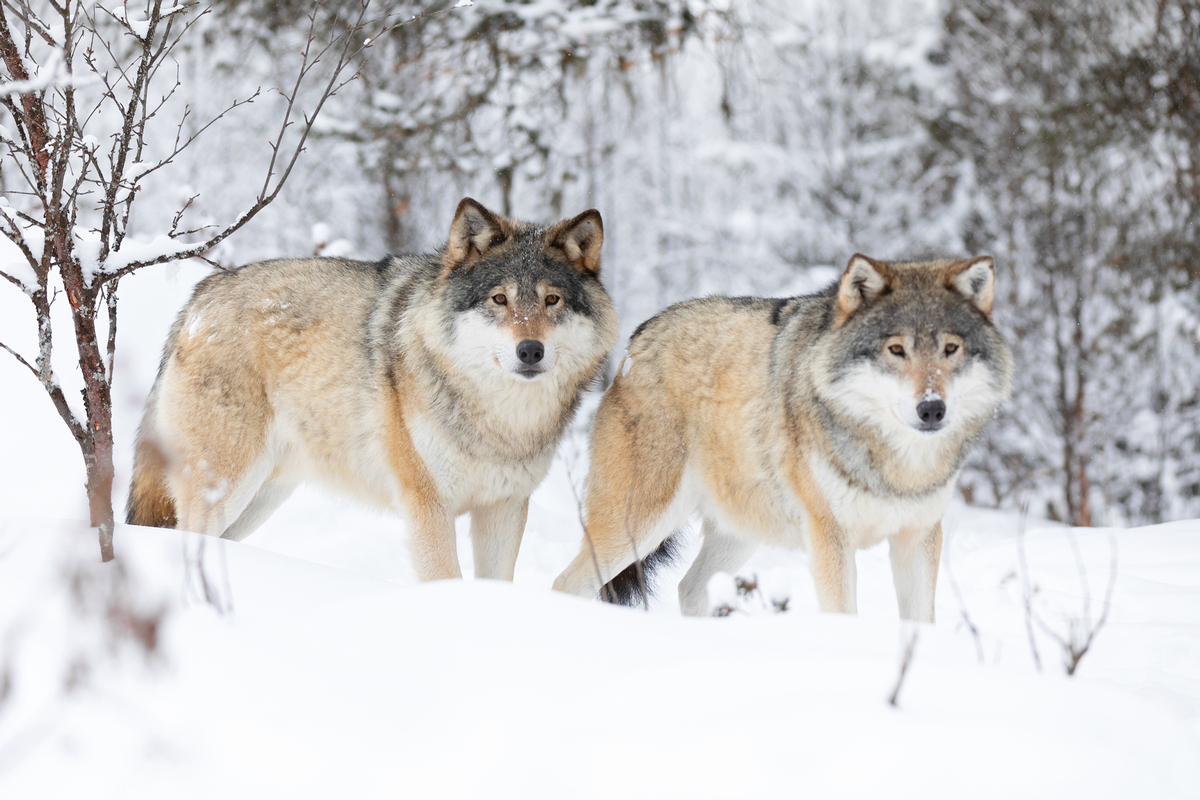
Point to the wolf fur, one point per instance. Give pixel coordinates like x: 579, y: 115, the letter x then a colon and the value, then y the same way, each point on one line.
x: 431, y: 385
x: 829, y: 422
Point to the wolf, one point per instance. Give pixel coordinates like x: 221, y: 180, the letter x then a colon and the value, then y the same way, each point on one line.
x: 828, y: 422
x: 431, y: 385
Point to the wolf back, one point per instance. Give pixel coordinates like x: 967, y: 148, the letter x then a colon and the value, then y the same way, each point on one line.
x: 431, y: 385
x: 828, y: 422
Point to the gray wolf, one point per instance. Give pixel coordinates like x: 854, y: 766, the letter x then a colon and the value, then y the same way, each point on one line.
x: 829, y: 422
x: 431, y: 385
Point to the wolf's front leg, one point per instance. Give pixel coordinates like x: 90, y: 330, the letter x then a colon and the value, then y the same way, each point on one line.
x: 831, y: 561
x: 431, y: 542
x: 915, y: 555
x: 496, y: 532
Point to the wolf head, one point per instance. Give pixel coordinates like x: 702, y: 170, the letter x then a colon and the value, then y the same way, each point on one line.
x: 526, y: 300
x: 913, y: 348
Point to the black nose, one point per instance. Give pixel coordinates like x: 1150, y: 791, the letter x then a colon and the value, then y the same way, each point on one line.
x: 530, y: 351
x: 931, y: 411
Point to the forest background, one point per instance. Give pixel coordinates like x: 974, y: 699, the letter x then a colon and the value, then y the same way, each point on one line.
x: 751, y: 148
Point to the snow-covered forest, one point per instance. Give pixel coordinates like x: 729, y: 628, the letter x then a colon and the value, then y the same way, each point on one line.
x: 732, y: 148
x: 748, y: 148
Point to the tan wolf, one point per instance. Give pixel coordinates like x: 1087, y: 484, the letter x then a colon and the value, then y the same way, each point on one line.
x: 829, y: 422
x: 431, y: 385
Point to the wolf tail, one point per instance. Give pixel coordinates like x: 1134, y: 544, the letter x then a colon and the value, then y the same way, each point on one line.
x: 632, y: 585
x: 150, y: 503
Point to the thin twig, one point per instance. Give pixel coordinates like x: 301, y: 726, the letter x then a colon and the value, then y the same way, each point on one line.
x: 1026, y: 592
x: 270, y: 190
x: 17, y: 356
x: 1080, y: 632
x: 111, y: 303
x: 909, y: 647
x: 638, y: 567
x: 604, y: 589
x: 962, y: 606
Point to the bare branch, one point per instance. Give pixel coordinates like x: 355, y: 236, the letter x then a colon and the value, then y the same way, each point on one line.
x: 18, y: 357
x: 33, y: 112
x: 122, y: 144
x: 14, y: 235
x: 78, y: 431
x: 1026, y: 591
x: 269, y: 192
x: 962, y: 606
x: 638, y: 567
x: 331, y: 89
x: 605, y: 591
x: 906, y: 659
x: 31, y: 23
x: 111, y: 301
x: 179, y: 148
x: 174, y: 232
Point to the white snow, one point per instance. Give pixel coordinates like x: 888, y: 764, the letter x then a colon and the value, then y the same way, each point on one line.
x: 46, y: 75
x: 323, y: 682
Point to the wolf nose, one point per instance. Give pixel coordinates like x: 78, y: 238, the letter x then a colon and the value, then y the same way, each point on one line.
x: 931, y: 411
x: 530, y: 351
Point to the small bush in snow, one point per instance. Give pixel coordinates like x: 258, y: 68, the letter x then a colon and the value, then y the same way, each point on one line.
x: 753, y: 595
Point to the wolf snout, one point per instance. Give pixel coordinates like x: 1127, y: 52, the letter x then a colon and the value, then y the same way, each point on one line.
x: 530, y: 351
x: 931, y: 413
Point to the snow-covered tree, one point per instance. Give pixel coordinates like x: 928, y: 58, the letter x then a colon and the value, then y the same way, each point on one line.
x: 86, y: 87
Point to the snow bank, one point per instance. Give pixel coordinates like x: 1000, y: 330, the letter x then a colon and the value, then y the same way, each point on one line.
x: 322, y: 682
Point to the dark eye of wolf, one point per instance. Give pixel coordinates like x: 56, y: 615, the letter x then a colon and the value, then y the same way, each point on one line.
x: 552, y: 299
x: 499, y: 299
x: 897, y: 350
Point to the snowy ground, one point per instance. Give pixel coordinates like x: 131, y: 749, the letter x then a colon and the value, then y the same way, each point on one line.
x: 323, y: 681
x: 333, y: 673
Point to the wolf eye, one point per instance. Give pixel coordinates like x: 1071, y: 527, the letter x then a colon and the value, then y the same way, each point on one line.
x: 499, y: 299
x: 951, y: 349
x: 552, y: 299
x: 897, y: 350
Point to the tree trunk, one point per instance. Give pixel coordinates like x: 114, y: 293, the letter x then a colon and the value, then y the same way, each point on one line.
x: 97, y: 446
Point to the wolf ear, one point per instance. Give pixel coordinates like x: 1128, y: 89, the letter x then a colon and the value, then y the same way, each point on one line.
x: 475, y: 230
x: 864, y: 280
x: 580, y: 239
x: 974, y: 280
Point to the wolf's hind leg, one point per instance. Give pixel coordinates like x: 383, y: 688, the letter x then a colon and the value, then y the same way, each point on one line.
x: 210, y: 499
x: 634, y: 499
x: 915, y: 556
x: 720, y: 552
x: 496, y: 532
x: 619, y: 533
x: 266, y: 500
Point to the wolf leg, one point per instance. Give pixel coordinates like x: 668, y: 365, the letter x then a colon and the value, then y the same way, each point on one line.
x: 635, y: 498
x: 601, y: 557
x: 267, y: 500
x: 620, y: 534
x: 431, y: 542
x: 831, y: 561
x: 721, y: 552
x: 210, y: 499
x: 915, y: 556
x: 496, y: 532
